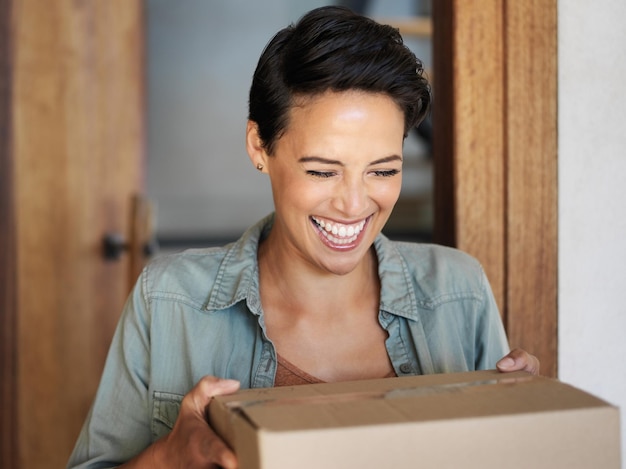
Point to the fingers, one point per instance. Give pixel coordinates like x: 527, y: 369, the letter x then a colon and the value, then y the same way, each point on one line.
x: 192, y: 443
x: 519, y: 360
x: 213, y: 447
x: 207, y: 388
x: 219, y: 453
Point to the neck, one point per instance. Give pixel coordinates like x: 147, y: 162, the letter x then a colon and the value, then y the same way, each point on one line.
x: 296, y: 284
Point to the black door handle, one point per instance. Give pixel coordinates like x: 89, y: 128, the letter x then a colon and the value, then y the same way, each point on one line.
x: 114, y: 245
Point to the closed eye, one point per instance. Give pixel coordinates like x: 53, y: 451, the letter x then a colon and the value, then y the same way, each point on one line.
x: 386, y: 173
x: 321, y: 174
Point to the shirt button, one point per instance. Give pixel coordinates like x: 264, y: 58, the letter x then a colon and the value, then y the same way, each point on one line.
x: 405, y: 368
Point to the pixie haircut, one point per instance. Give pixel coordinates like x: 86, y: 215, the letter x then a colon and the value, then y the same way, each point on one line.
x: 333, y: 49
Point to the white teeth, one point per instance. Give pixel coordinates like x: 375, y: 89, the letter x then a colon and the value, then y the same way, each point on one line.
x: 338, y: 233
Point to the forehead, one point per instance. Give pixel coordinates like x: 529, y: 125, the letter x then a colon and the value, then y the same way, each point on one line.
x: 336, y: 109
x: 346, y: 126
x: 312, y: 101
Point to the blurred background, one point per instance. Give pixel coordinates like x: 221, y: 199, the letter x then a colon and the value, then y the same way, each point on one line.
x: 200, y: 57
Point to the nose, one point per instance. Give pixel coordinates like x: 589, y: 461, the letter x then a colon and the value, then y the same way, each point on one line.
x: 351, y: 198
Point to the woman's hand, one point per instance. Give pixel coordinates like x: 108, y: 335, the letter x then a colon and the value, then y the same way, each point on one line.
x: 192, y: 443
x: 518, y: 360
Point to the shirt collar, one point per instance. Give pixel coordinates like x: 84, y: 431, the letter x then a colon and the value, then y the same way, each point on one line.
x: 397, y: 295
x: 238, y: 276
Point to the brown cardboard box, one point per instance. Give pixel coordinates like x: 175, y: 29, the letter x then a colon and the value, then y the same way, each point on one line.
x: 480, y: 419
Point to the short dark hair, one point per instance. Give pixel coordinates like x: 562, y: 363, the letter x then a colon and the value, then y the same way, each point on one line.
x: 334, y: 49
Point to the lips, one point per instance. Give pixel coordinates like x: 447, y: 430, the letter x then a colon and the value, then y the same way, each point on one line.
x: 339, y: 235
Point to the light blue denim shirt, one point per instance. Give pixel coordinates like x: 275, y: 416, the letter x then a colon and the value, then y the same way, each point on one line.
x: 199, y: 313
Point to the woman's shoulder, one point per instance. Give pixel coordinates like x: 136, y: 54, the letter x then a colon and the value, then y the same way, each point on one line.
x: 187, y: 275
x: 437, y: 270
x: 189, y: 262
x: 435, y: 255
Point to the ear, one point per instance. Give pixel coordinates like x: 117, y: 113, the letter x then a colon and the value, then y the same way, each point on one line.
x: 254, y: 146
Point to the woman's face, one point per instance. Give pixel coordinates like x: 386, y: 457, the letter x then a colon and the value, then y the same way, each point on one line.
x: 336, y: 175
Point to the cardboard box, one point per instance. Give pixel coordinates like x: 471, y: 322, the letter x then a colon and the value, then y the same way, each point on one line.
x: 481, y: 419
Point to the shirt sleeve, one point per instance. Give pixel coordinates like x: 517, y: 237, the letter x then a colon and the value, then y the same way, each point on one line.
x: 118, y: 425
x: 491, y: 341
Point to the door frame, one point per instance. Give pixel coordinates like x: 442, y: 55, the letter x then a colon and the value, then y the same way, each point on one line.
x: 8, y: 261
x: 495, y: 147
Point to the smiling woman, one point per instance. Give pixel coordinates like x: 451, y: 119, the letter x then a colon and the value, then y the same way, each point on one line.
x: 313, y: 292
x: 351, y: 184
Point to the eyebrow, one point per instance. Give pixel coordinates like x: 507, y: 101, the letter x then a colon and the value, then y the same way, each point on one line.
x: 319, y: 159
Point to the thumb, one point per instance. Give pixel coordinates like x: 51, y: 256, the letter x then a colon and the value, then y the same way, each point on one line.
x: 210, y: 386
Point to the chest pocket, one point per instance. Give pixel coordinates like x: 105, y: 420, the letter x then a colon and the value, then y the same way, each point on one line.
x: 166, y: 407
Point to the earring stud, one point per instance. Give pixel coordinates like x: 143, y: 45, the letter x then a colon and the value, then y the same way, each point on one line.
x: 259, y: 166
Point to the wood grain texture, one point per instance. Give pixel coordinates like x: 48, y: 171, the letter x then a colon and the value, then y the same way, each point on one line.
x: 531, y: 133
x: 479, y: 145
x: 469, y: 139
x: 495, y: 155
x: 78, y: 151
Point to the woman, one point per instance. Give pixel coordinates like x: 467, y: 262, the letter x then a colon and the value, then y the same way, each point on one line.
x: 313, y: 292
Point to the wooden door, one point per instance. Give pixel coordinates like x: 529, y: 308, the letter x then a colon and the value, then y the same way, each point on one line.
x: 71, y: 156
x: 495, y: 153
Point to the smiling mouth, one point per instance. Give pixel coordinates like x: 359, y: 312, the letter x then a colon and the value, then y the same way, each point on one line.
x: 339, y: 234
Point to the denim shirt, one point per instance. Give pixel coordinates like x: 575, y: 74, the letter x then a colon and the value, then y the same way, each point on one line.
x: 199, y: 313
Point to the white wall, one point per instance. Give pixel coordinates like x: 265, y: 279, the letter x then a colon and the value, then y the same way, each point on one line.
x: 592, y: 198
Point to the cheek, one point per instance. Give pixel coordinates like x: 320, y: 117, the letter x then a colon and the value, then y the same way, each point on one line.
x: 284, y: 185
x: 301, y: 194
x: 389, y: 195
x: 310, y: 195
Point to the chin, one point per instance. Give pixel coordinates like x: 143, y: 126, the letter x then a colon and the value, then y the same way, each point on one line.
x: 346, y: 262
